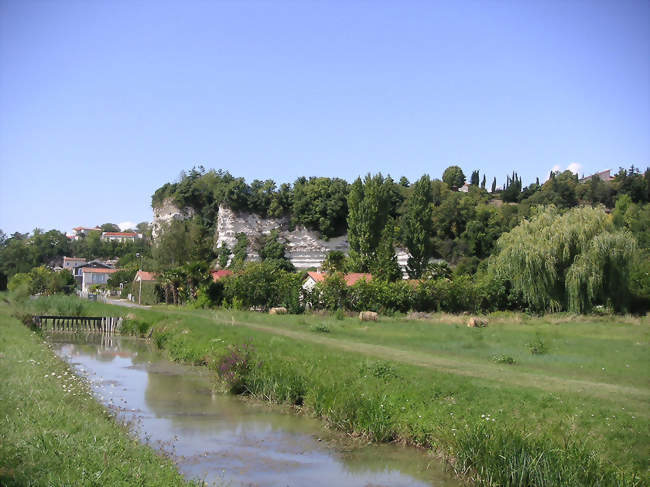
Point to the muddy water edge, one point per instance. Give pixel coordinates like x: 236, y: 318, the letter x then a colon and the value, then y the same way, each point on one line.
x: 227, y: 440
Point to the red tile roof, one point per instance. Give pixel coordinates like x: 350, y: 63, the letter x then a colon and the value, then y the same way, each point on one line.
x: 216, y: 275
x: 145, y: 276
x: 350, y: 279
x: 97, y: 271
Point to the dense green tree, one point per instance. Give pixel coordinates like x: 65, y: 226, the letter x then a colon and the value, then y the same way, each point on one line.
x: 417, y: 226
x: 474, y: 179
x: 633, y: 183
x: 321, y: 204
x: 511, y: 192
x: 494, y: 186
x: 454, y: 177
x: 272, y: 252
x: 385, y: 266
x: 369, y: 210
x: 483, y: 182
x: 109, y: 227
x: 181, y: 242
x: 567, y: 261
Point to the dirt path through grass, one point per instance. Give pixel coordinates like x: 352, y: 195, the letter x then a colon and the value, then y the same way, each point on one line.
x: 487, y: 371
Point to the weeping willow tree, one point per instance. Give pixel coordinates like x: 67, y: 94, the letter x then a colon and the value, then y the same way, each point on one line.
x: 572, y: 261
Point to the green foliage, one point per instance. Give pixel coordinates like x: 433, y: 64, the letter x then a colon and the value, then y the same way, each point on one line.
x: 571, y: 261
x: 272, y: 252
x: 454, y: 177
x: 182, y: 242
x: 240, y: 251
x: 151, y: 292
x: 332, y: 292
x: 369, y: 210
x: 380, y: 369
x: 122, y: 276
x: 223, y: 256
x: 503, y: 359
x: 385, y: 267
x: 41, y: 280
x: 511, y: 192
x: 336, y: 261
x: 264, y: 285
x: 537, y: 346
x: 417, y: 226
x: 321, y: 204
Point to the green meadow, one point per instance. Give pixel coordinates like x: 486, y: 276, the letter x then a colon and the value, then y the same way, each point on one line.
x: 553, y: 400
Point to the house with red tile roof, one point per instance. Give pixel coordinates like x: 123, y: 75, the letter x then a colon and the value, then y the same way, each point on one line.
x: 314, y: 278
x: 91, y: 276
x: 145, y: 276
x: 220, y: 274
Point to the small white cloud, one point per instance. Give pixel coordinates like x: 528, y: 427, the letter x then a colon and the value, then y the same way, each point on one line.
x: 574, y: 167
x: 556, y: 168
x: 126, y: 225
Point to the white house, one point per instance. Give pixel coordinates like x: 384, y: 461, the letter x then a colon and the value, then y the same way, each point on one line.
x: 120, y: 236
x: 91, y: 276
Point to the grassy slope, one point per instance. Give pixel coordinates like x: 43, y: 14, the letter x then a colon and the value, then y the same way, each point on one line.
x: 434, y: 383
x: 53, y: 433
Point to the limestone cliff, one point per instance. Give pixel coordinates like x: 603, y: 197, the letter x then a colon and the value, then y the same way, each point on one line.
x: 166, y: 213
x: 304, y: 247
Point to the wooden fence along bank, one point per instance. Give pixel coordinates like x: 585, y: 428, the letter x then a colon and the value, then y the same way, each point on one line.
x: 99, y: 324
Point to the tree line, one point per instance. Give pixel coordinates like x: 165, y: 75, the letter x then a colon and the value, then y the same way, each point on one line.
x: 449, y: 234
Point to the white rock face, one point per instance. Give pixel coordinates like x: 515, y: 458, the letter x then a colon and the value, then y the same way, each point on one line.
x: 166, y: 213
x: 304, y: 248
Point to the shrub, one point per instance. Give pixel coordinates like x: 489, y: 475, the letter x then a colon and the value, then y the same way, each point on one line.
x: 537, y: 346
x: 235, y: 366
x: 503, y: 359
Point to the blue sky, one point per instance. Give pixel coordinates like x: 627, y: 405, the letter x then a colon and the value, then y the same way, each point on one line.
x: 103, y: 102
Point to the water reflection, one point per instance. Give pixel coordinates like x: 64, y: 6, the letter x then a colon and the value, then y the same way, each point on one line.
x: 225, y: 440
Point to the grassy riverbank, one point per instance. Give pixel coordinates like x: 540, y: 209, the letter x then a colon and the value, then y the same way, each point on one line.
x: 52, y: 432
x: 571, y: 410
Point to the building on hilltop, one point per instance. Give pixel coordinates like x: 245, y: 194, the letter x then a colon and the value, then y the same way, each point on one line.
x: 602, y: 175
x: 120, y: 236
x: 80, y: 232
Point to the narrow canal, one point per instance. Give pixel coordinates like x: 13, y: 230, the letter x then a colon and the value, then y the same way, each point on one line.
x: 226, y: 440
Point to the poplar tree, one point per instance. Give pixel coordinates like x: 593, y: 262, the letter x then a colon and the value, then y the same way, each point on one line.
x: 417, y: 226
x: 368, y: 211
